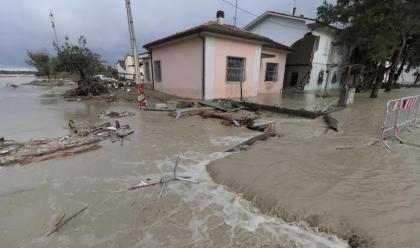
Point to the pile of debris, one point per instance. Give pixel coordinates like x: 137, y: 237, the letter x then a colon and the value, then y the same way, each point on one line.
x: 84, y: 137
x: 88, y: 88
x: 231, y: 113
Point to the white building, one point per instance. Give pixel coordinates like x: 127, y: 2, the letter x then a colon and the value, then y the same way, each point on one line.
x: 317, y: 62
x: 126, y: 68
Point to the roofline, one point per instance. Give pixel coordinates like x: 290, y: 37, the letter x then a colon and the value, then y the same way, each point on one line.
x: 205, y: 29
x: 273, y: 13
x: 261, y: 18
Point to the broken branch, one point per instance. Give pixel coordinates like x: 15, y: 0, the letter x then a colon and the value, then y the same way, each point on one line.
x: 62, y: 223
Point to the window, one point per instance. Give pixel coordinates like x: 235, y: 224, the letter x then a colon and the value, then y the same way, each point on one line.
x: 271, y: 72
x: 235, y: 69
x: 147, y: 71
x: 158, y: 71
x: 316, y: 44
x: 321, y: 77
x: 334, y: 78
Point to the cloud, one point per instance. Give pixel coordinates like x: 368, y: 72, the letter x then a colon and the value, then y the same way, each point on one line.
x: 25, y: 25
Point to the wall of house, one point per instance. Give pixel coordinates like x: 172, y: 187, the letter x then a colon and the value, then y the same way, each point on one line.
x: 299, y: 61
x: 321, y: 60
x: 272, y: 87
x: 217, y: 51
x: 408, y: 77
x: 120, y: 70
x: 181, y: 66
x: 129, y: 65
x: 288, y: 33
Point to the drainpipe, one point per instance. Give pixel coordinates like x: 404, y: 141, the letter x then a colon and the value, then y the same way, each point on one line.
x: 152, y: 70
x: 203, y: 38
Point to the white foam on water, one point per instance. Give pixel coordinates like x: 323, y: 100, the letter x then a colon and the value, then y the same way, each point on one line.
x: 229, y: 140
x: 236, y: 211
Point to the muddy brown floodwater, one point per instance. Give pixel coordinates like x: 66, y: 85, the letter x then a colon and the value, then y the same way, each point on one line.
x: 33, y: 196
x: 370, y: 196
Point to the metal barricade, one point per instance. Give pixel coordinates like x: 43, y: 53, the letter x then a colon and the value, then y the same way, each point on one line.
x: 399, y: 114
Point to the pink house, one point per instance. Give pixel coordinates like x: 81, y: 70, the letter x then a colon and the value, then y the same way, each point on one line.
x: 210, y: 62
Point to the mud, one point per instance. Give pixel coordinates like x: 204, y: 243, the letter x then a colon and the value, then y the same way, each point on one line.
x: 32, y: 197
x: 368, y: 196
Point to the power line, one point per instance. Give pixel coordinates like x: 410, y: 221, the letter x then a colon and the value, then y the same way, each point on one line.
x: 255, y: 15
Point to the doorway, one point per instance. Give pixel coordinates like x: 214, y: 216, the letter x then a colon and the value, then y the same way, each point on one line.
x: 294, y: 79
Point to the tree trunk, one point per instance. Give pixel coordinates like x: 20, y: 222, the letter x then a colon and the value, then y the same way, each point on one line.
x: 417, y: 79
x: 397, y: 76
x: 378, y: 80
x: 390, y: 82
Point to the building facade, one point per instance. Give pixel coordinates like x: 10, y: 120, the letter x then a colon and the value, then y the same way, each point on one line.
x: 217, y: 61
x: 317, y: 63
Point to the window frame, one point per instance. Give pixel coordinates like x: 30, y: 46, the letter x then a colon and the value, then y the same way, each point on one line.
x: 158, y: 76
x: 276, y: 72
x: 229, y: 81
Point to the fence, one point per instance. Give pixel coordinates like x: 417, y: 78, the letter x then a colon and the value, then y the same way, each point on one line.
x: 399, y: 114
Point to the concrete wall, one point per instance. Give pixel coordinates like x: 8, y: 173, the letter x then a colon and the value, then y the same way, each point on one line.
x: 217, y: 51
x: 290, y: 30
x: 181, y: 66
x: 272, y: 87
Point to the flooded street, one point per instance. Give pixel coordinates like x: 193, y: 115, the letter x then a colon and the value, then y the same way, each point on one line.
x: 32, y: 197
x: 370, y: 196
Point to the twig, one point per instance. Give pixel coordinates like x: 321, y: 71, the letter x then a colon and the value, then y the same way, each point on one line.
x: 60, y: 225
x: 144, y: 185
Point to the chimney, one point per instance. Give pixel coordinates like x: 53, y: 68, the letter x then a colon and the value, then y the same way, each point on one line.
x: 220, y: 17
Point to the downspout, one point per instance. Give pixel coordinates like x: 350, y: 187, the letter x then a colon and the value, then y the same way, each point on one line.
x: 152, y: 70
x: 203, y: 38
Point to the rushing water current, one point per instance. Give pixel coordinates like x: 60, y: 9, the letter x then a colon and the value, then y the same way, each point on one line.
x: 33, y: 196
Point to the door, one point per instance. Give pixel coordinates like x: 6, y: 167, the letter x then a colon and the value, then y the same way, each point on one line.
x: 294, y: 79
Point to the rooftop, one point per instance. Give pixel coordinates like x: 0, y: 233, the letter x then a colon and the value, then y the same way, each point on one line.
x: 223, y: 29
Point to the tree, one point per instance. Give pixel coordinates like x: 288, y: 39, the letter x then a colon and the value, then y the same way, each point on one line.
x: 43, y: 62
x: 379, y: 30
x: 78, y: 59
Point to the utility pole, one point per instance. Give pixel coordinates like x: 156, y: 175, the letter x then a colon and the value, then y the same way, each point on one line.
x: 139, y: 85
x: 235, y: 18
x: 294, y: 8
x: 53, y: 27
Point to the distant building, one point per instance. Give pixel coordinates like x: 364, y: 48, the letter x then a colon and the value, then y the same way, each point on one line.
x: 317, y: 63
x: 126, y: 68
x: 121, y: 68
x: 209, y: 62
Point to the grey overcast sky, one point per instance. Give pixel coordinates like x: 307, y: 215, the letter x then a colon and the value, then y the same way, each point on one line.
x: 25, y: 24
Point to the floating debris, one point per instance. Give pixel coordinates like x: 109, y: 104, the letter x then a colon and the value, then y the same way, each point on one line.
x: 85, y: 137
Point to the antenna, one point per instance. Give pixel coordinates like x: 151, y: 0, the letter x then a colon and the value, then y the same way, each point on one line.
x: 53, y: 27
x: 235, y: 18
